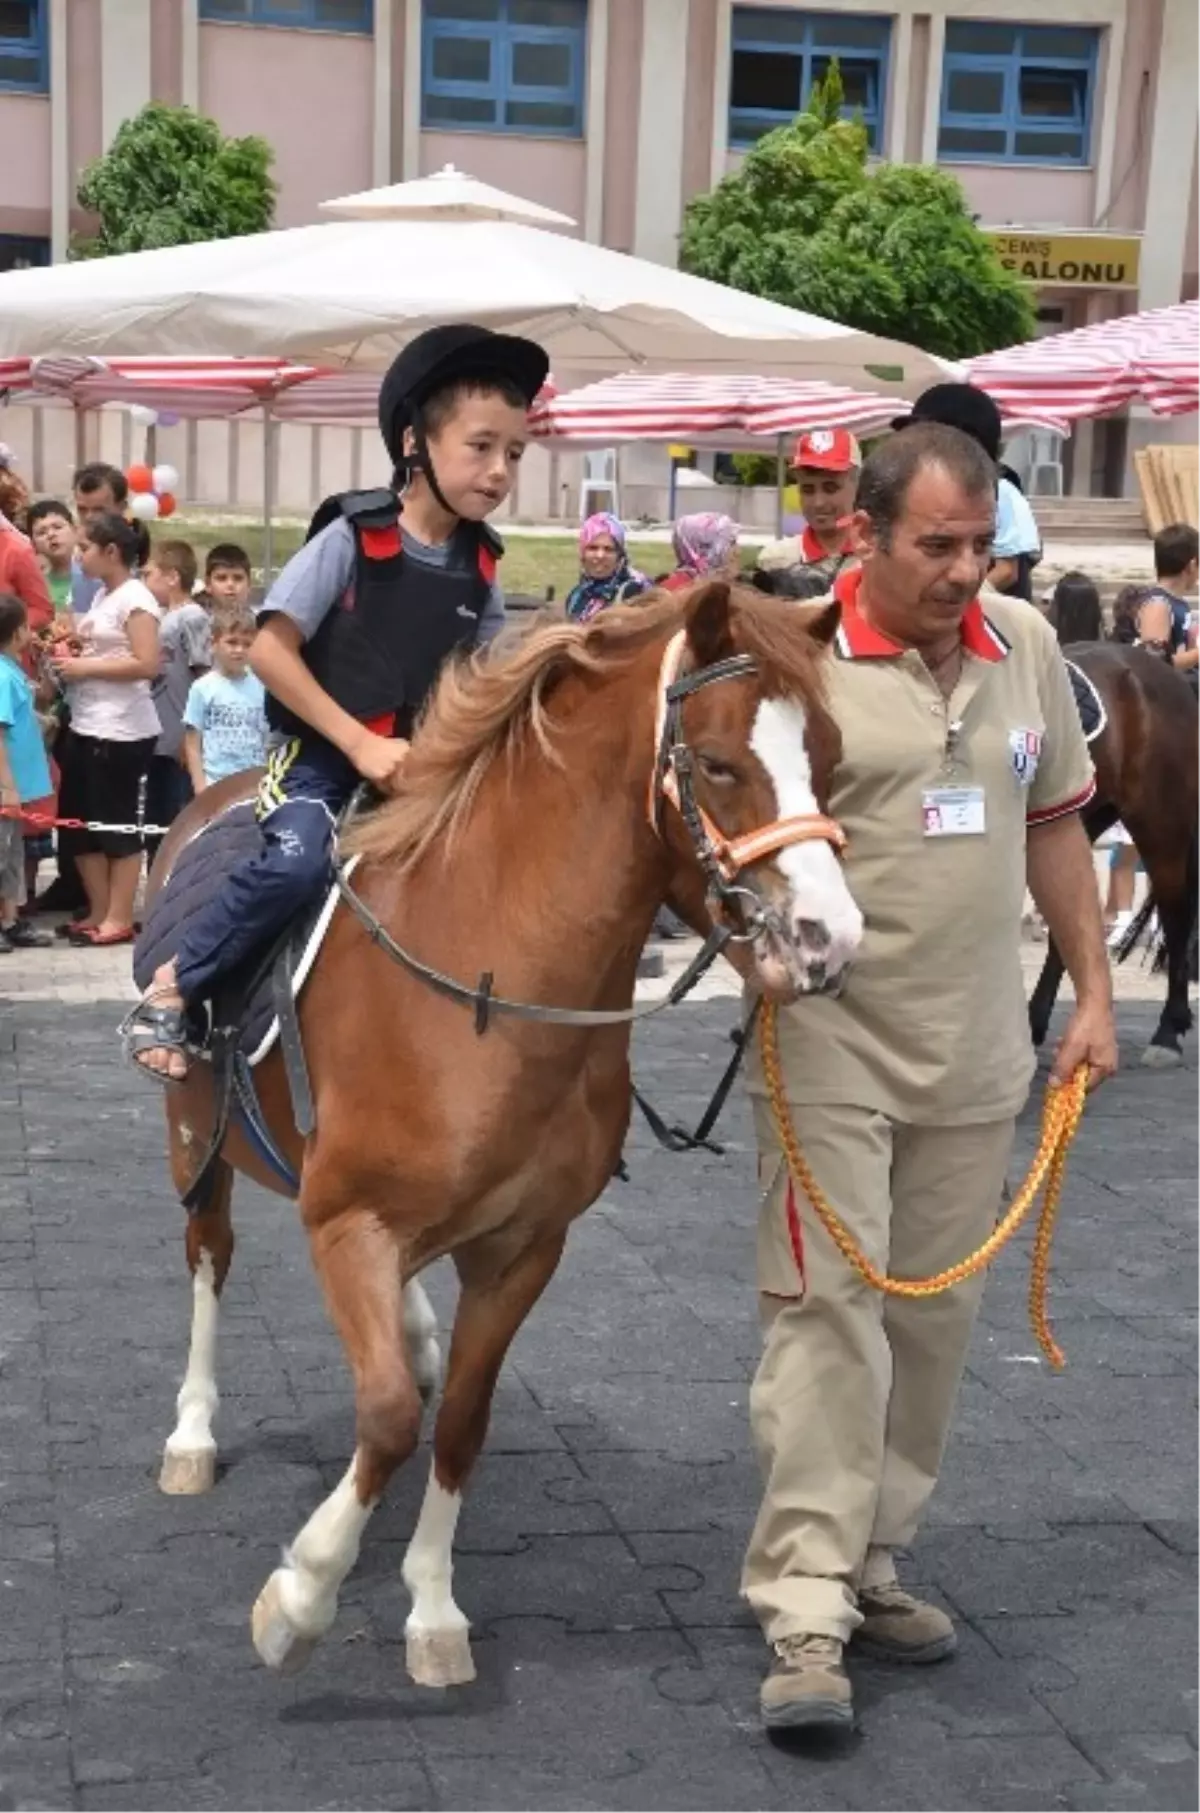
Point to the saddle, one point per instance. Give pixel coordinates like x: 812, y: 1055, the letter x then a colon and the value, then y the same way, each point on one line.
x: 254, y: 1007
x: 1088, y: 703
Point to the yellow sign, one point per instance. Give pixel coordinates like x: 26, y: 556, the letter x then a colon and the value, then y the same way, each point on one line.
x: 680, y: 453
x: 1085, y: 261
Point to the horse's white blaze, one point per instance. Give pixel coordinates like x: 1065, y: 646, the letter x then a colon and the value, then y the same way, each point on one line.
x: 429, y: 1565
x: 196, y: 1404
x: 420, y: 1334
x: 321, y: 1557
x: 813, y: 873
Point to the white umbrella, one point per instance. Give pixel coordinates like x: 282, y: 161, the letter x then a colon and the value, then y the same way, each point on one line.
x: 449, y: 194
x: 353, y: 292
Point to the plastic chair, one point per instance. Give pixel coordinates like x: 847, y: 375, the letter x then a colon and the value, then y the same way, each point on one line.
x: 1045, y: 463
x: 598, y: 489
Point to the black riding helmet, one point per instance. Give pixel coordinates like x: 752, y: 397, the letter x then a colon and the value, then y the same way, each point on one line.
x: 438, y: 357
x: 961, y: 406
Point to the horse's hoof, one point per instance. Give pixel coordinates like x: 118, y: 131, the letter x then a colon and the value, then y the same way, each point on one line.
x: 186, y: 1474
x: 279, y: 1644
x: 439, y: 1658
x: 1161, y: 1057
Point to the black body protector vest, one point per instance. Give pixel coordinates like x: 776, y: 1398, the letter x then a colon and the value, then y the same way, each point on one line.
x: 381, y: 648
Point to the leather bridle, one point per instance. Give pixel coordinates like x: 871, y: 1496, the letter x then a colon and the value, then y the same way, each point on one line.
x: 722, y: 859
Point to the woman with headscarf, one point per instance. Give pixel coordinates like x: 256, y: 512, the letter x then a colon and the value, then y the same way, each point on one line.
x: 606, y: 576
x: 705, y: 548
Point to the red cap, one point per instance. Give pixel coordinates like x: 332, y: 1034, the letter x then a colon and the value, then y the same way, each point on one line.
x: 827, y: 450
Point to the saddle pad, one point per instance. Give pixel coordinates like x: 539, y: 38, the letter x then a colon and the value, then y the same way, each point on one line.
x: 199, y: 869
x: 1088, y: 703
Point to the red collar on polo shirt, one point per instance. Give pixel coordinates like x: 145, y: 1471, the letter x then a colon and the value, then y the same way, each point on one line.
x: 811, y: 550
x: 857, y: 639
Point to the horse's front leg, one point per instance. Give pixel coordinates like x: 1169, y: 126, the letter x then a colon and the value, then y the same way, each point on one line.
x: 498, y: 1290
x: 357, y: 1262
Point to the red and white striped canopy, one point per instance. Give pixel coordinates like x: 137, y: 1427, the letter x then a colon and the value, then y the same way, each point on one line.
x: 1153, y: 358
x: 201, y: 387
x: 707, y: 410
x: 711, y: 411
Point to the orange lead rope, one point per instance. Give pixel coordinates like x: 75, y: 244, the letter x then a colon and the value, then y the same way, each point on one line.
x: 1061, y: 1115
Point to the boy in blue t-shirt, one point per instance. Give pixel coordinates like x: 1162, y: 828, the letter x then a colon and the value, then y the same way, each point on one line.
x: 24, y: 773
x: 225, y: 718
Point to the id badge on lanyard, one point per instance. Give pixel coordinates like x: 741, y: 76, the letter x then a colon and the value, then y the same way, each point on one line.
x: 953, y: 809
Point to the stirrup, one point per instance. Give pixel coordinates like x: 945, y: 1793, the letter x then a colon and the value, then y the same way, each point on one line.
x: 149, y: 1028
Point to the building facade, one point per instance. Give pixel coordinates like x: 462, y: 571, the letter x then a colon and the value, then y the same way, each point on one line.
x: 1072, y: 127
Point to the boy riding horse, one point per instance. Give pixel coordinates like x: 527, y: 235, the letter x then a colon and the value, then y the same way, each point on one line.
x: 350, y: 642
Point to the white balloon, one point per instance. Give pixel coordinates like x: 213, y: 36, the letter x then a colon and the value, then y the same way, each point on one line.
x: 143, y: 505
x: 165, y: 478
x: 138, y: 412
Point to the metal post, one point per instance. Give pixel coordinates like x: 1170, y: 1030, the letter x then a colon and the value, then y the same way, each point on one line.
x: 780, y: 482
x: 269, y: 426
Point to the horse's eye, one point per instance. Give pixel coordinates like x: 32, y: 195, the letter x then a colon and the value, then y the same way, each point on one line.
x: 718, y: 772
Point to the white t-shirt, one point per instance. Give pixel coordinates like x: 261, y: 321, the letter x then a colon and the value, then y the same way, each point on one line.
x: 120, y: 711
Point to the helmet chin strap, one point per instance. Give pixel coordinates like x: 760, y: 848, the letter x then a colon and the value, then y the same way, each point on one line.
x: 419, y: 460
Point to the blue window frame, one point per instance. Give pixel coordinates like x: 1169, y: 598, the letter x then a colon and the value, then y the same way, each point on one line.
x: 306, y: 15
x: 1017, y: 94
x: 778, y: 53
x: 19, y: 253
x: 504, y: 66
x: 24, y: 34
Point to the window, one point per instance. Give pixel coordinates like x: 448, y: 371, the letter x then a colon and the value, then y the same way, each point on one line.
x: 17, y: 253
x: 23, y: 28
x: 309, y: 15
x: 1017, y: 93
x: 778, y: 55
x: 504, y: 66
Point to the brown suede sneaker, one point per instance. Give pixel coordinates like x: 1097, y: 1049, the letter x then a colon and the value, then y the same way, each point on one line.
x: 807, y: 1688
x: 896, y: 1627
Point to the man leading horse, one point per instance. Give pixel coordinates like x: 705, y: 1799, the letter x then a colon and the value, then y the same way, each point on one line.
x: 962, y: 776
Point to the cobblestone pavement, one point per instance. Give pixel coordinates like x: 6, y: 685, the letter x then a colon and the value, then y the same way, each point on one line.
x: 600, y: 1547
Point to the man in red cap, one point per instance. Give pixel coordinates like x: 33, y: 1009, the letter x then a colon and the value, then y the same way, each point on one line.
x: 826, y: 463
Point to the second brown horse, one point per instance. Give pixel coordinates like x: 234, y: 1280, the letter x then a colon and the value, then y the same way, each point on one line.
x: 1146, y: 776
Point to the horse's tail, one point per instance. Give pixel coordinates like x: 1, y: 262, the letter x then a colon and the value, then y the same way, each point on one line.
x: 1146, y: 912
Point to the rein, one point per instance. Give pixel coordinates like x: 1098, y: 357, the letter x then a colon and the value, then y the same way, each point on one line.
x: 721, y: 858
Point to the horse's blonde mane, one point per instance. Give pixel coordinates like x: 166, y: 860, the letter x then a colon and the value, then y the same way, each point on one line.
x: 483, y: 707
x: 486, y: 705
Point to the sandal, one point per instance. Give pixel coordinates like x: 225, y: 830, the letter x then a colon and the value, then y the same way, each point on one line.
x: 91, y: 935
x: 150, y: 1028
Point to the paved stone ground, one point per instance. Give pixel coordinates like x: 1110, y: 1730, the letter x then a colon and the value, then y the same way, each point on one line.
x: 599, y: 1552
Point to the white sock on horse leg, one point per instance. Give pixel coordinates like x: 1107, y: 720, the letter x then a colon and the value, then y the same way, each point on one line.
x: 321, y: 1557
x: 439, y: 1654
x: 189, y: 1460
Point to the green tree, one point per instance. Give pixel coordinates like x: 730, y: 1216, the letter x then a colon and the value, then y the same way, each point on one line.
x: 890, y: 250
x: 170, y: 177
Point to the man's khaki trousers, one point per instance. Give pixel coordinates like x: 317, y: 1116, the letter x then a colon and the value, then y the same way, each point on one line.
x: 852, y: 1401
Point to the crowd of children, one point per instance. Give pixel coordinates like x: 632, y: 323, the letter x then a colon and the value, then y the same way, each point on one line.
x: 124, y: 689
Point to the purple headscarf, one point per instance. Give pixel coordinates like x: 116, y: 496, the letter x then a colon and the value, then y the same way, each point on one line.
x: 592, y: 595
x: 704, y: 543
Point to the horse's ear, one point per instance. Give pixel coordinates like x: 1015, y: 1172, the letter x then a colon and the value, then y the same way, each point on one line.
x: 821, y: 620
x: 709, y: 635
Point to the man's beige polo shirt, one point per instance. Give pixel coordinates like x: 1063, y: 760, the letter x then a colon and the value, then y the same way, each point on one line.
x: 931, y: 1027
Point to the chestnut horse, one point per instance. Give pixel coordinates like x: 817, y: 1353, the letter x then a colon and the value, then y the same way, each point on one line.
x: 1145, y: 759
x: 534, y: 837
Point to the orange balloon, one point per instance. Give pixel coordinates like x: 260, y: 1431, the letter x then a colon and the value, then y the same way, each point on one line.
x: 166, y: 504
x: 140, y: 478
